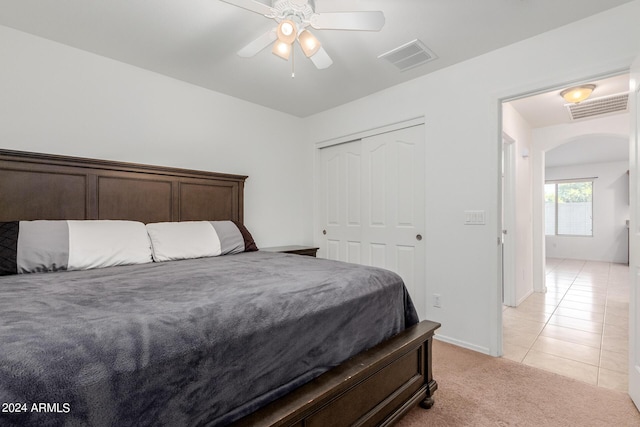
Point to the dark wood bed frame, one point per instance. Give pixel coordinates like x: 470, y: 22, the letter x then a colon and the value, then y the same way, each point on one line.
x: 373, y: 388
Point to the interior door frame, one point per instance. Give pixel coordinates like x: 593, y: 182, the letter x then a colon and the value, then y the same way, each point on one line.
x: 538, y: 162
x: 508, y: 221
x: 634, y: 234
x: 368, y: 132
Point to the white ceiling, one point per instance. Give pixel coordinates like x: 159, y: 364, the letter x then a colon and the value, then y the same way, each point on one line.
x: 589, y: 149
x: 548, y: 109
x: 196, y: 41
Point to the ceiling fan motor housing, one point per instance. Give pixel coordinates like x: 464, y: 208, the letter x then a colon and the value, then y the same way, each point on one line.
x: 299, y: 11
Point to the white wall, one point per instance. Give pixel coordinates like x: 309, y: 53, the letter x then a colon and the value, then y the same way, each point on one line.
x: 610, y: 211
x: 461, y: 105
x: 61, y: 100
x: 514, y: 125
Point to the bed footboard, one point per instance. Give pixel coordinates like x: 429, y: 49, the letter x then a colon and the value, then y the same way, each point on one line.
x: 374, y: 388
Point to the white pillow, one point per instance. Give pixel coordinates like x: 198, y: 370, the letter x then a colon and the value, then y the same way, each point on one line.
x: 183, y: 240
x: 97, y: 244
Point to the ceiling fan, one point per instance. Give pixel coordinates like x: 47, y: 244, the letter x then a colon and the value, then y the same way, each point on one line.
x: 293, y: 18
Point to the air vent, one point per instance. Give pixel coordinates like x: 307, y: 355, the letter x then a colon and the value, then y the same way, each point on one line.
x: 409, y: 55
x: 598, y: 106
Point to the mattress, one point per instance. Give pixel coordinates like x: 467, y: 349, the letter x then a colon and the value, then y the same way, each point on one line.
x: 193, y: 342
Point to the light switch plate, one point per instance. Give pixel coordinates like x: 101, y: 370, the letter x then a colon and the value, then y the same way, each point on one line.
x: 474, y: 217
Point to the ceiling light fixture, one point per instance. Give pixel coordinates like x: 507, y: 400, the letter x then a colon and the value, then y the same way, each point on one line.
x: 287, y: 31
x: 281, y: 49
x: 309, y: 43
x: 293, y: 17
x: 578, y: 93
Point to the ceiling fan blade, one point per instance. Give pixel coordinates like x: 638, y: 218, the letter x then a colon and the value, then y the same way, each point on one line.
x: 361, y: 21
x: 258, y: 44
x: 253, y: 6
x: 321, y: 59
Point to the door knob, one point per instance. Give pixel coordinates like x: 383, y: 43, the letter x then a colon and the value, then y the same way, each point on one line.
x: 324, y: 231
x: 418, y: 237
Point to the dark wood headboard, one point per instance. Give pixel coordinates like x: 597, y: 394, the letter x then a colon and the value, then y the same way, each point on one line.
x: 45, y: 186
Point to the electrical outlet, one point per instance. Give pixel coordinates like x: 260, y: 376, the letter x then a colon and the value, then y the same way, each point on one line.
x: 436, y: 300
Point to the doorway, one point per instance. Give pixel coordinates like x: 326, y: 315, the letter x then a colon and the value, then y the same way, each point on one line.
x: 532, y: 333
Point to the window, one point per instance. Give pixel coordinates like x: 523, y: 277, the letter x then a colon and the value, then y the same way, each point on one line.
x: 568, y: 208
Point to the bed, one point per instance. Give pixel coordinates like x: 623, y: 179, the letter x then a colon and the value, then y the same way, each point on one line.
x: 161, y: 344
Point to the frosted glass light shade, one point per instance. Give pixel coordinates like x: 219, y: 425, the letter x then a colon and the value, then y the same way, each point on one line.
x: 281, y: 49
x: 287, y: 31
x: 309, y: 43
x: 578, y: 93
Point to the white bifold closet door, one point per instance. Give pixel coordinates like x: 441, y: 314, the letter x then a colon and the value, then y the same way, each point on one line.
x: 372, y: 205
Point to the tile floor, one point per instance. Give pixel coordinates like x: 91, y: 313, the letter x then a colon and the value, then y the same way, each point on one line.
x: 579, y: 327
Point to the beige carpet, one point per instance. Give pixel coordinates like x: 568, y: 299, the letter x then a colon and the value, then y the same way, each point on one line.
x: 479, y: 390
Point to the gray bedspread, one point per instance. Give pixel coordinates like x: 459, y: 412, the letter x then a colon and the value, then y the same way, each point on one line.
x: 184, y: 343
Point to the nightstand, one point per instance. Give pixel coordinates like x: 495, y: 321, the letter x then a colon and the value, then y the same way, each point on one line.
x: 298, y: 250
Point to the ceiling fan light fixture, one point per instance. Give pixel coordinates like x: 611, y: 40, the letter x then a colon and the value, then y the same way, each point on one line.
x: 293, y: 16
x: 281, y: 49
x: 287, y: 31
x: 578, y: 93
x: 309, y: 43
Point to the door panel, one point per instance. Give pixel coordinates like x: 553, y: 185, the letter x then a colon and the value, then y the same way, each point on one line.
x: 333, y: 197
x: 377, y: 167
x: 353, y: 252
x: 340, y: 198
x: 353, y: 189
x: 372, y: 204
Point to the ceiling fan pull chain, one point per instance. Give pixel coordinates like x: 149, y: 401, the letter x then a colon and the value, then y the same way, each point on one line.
x: 293, y: 70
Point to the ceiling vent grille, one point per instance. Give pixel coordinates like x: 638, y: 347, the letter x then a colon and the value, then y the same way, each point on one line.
x: 598, y: 106
x: 409, y: 55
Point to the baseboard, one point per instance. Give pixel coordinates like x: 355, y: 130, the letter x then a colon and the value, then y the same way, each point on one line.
x: 462, y: 344
x: 527, y: 295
